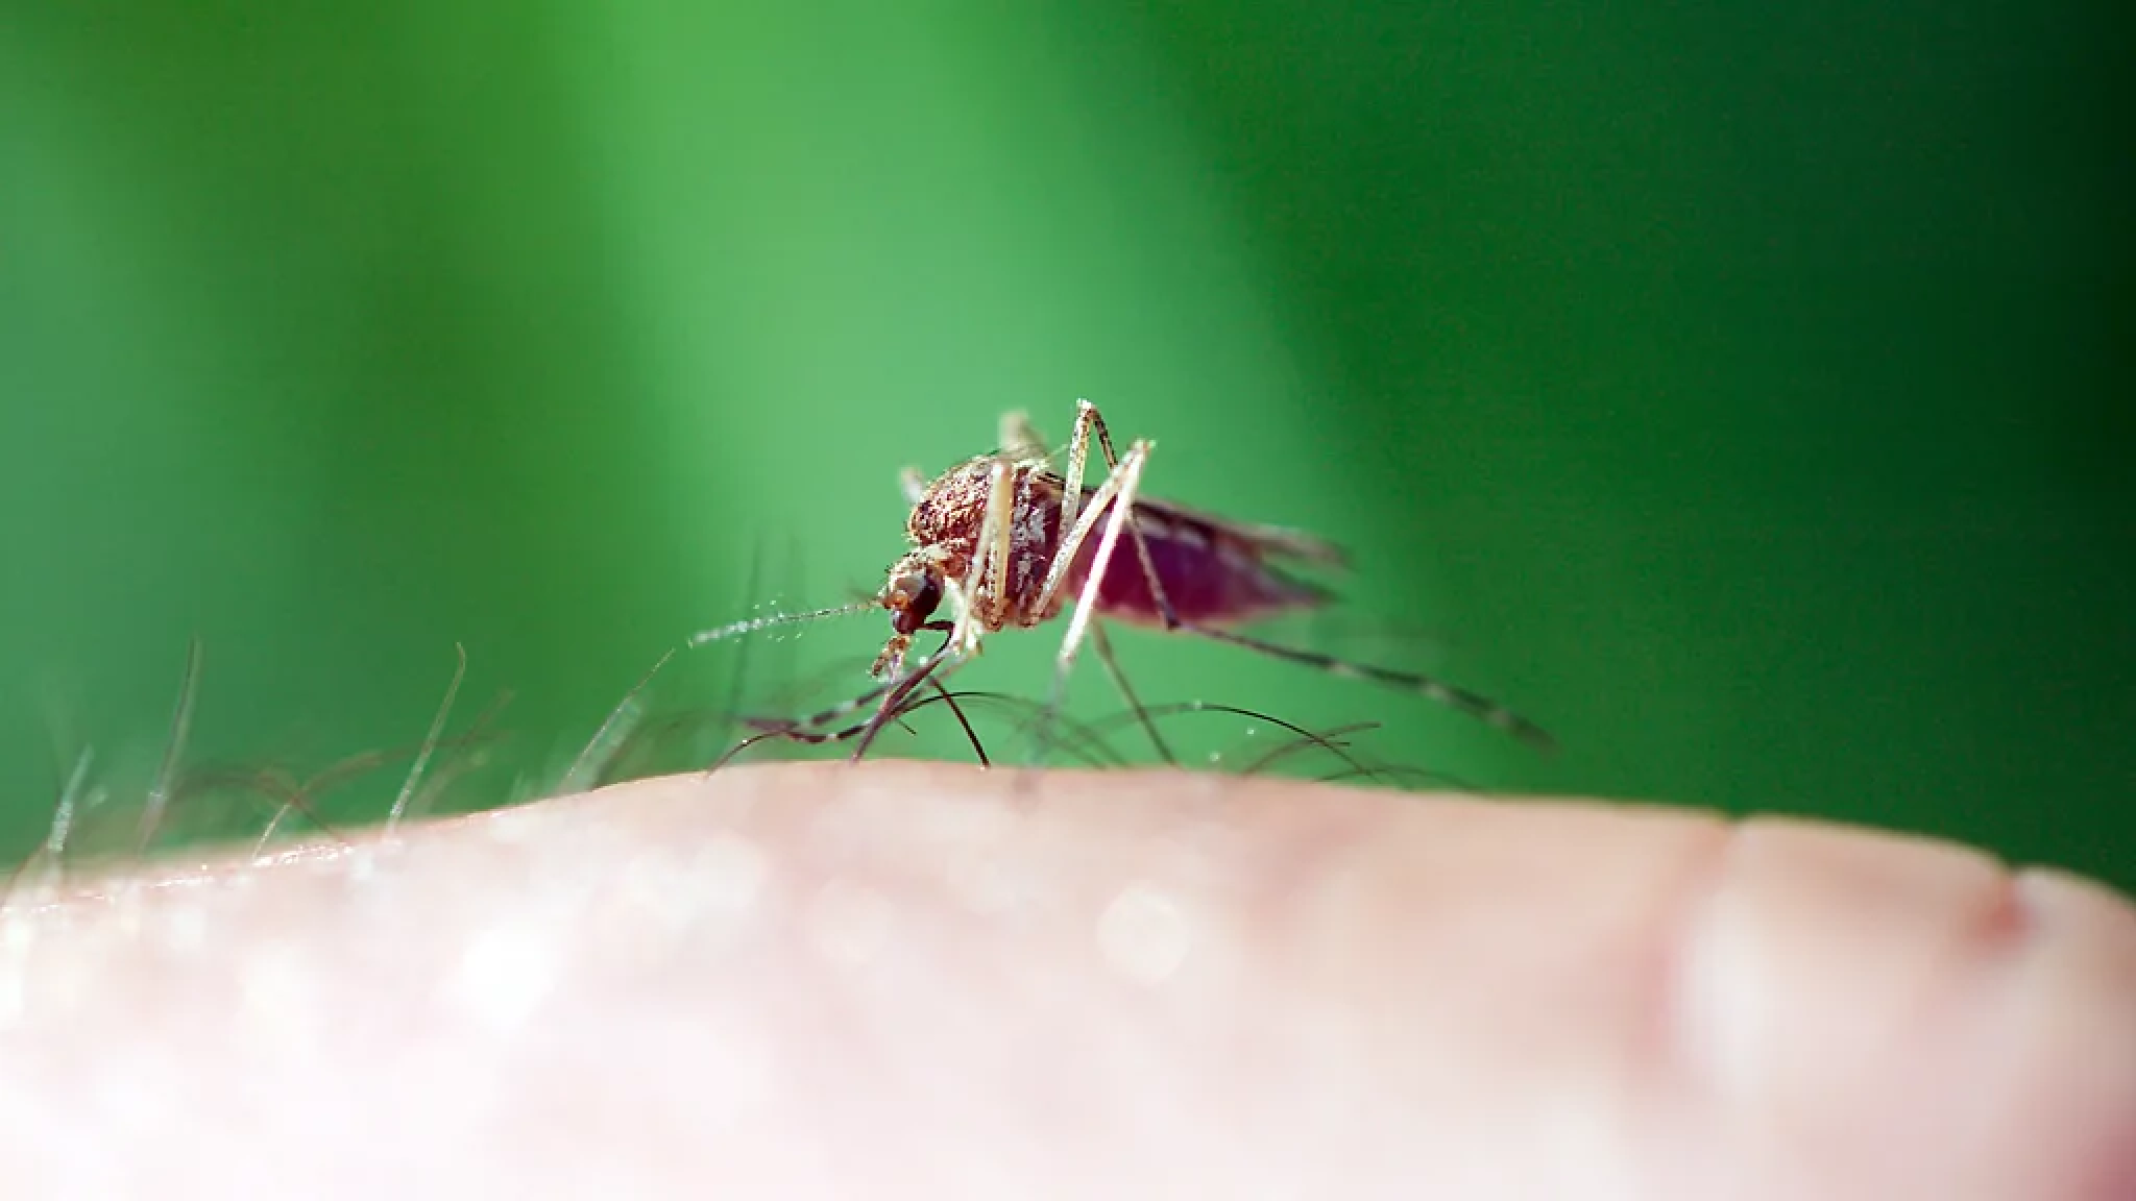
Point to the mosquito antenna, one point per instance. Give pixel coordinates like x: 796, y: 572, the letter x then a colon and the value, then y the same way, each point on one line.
x: 751, y: 625
x: 739, y: 678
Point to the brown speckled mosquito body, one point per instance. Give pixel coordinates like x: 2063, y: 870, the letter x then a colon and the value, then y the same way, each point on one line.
x: 1004, y: 541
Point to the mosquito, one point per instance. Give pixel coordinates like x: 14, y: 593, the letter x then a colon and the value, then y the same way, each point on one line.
x: 1003, y: 540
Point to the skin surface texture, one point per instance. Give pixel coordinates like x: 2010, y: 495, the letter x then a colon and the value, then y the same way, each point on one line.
x: 926, y: 980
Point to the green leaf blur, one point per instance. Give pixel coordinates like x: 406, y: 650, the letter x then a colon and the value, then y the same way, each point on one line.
x: 1730, y: 388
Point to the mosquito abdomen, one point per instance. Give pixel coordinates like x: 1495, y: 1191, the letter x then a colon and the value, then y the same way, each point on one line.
x: 1206, y: 583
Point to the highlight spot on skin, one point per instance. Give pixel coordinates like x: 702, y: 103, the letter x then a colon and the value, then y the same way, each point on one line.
x: 513, y: 833
x: 848, y: 923
x: 1143, y: 934
x: 985, y: 887
x: 363, y: 865
x: 1724, y: 1002
x: 275, y: 983
x: 504, y: 975
x: 17, y: 936
x: 705, y: 896
x: 182, y: 929
x: 728, y: 874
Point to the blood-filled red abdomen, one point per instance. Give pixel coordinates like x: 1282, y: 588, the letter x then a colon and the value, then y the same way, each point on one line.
x: 1207, y: 582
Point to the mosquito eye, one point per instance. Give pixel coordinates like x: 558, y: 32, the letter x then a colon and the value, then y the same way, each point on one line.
x: 913, y: 600
x: 926, y: 598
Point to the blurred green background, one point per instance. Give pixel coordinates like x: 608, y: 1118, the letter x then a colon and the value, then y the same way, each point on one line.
x: 1741, y: 390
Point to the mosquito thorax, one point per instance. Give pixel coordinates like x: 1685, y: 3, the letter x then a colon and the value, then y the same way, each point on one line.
x: 952, y: 510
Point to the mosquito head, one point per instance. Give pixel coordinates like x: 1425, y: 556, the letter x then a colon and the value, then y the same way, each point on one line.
x: 912, y: 593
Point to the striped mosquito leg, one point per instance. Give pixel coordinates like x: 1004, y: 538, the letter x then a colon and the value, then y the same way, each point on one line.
x: 1476, y: 705
x: 901, y: 707
x: 1103, y: 646
x: 894, y: 701
x: 988, y: 595
x: 1089, y: 421
x: 1087, y: 413
x: 836, y: 713
x: 1086, y: 417
x: 1117, y: 494
x: 888, y: 698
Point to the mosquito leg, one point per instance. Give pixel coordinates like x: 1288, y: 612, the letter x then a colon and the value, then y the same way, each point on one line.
x: 894, y: 700
x: 892, y: 709
x: 1089, y: 421
x: 1330, y: 741
x: 1323, y: 739
x: 1086, y: 418
x: 950, y: 698
x: 1118, y: 494
x: 1475, y: 704
x: 1088, y: 748
x: 1102, y: 498
x: 798, y: 732
x: 991, y: 575
x: 1103, y: 646
x: 795, y: 729
x: 1114, y: 498
x: 799, y: 729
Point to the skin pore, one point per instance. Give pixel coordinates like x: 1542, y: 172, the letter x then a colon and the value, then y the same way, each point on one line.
x: 923, y: 979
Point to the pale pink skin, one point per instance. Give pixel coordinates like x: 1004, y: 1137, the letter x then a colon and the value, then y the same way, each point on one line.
x: 922, y: 980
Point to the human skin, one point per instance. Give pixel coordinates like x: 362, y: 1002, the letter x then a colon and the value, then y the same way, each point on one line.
x: 908, y: 979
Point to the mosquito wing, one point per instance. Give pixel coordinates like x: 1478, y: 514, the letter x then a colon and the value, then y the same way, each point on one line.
x: 1164, y: 519
x: 1213, y: 571
x: 1260, y: 541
